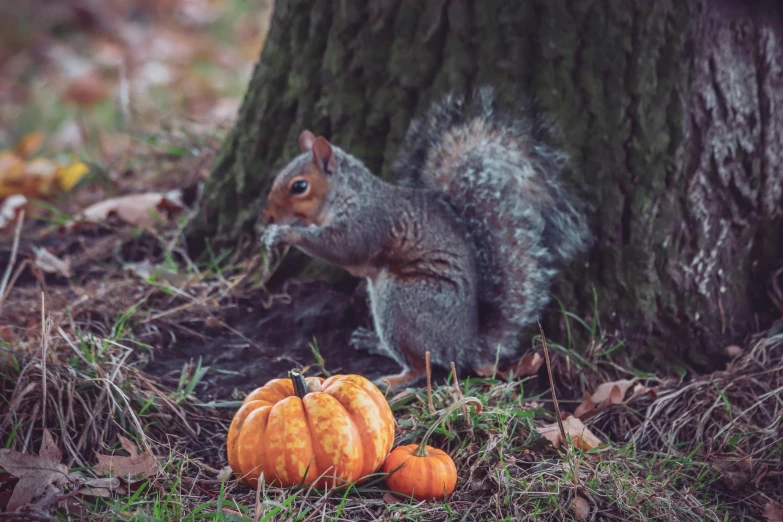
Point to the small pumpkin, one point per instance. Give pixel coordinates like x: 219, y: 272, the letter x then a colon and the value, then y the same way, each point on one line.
x: 296, y: 431
x: 421, y: 471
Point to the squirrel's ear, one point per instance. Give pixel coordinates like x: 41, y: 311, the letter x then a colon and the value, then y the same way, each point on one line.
x: 306, y: 140
x: 323, y: 156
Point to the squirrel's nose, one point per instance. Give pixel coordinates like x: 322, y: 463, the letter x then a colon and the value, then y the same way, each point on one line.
x: 268, y: 217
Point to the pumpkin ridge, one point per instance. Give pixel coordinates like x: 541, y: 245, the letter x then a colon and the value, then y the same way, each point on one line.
x: 367, y: 419
x: 251, y: 460
x: 336, y: 440
x: 290, y: 444
x: 235, y: 430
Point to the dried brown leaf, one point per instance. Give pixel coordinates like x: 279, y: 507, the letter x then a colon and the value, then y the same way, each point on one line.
x: 582, y: 437
x: 529, y: 365
x: 136, y: 465
x: 581, y: 508
x: 612, y: 390
x: 41, y: 477
x: 390, y: 498
x: 100, y: 487
x: 773, y: 511
x: 140, y: 210
x: 585, y: 407
x: 734, y: 351
x: 224, y: 473
x: 94, y: 492
x: 610, y: 394
x: 50, y: 263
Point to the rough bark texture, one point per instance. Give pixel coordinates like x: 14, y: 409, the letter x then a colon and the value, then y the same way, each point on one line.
x: 671, y: 110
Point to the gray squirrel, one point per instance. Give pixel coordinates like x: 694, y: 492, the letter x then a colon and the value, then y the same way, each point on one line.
x: 460, y: 254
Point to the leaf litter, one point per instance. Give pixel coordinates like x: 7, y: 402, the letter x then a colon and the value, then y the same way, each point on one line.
x: 661, y: 429
x: 41, y: 477
x: 138, y: 466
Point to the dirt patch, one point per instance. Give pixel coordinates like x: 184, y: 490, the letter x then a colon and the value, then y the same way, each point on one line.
x: 267, y: 342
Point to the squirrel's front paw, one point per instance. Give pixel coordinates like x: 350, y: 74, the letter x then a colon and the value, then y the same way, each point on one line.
x: 275, y: 236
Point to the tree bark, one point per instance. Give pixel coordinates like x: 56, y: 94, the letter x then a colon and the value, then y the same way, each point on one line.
x: 671, y: 111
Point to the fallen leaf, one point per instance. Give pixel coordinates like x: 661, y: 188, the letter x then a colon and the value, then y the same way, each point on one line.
x: 587, y: 406
x: 35, y: 178
x: 49, y: 449
x: 143, y: 269
x: 11, y: 174
x: 225, y: 473
x: 574, y: 428
x: 581, y: 508
x: 94, y: 492
x: 612, y: 390
x: 135, y: 209
x: 29, y: 144
x: 108, y: 483
x: 100, y: 487
x: 734, y: 351
x: 143, y: 466
x: 68, y: 176
x: 390, y: 498
x: 773, y: 511
x: 610, y: 394
x: 528, y: 365
x: 41, y: 477
x: 10, y: 209
x: 50, y: 263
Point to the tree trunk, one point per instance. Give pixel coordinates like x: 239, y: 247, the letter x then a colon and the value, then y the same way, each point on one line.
x: 671, y: 111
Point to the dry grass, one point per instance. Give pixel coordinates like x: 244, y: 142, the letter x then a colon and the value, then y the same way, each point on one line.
x: 703, y: 450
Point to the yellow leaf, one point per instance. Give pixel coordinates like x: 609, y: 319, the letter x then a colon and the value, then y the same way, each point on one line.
x: 29, y: 144
x: 68, y: 177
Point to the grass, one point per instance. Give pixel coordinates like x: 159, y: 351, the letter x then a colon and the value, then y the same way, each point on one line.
x: 660, y: 463
x: 705, y: 448
x: 708, y: 448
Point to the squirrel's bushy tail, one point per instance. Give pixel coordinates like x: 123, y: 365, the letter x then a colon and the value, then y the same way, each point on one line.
x: 505, y: 184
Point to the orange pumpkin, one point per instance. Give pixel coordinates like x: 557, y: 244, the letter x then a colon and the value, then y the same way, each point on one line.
x: 421, y: 471
x: 296, y: 431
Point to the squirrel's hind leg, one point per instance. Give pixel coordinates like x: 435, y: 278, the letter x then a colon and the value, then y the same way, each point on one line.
x: 367, y: 340
x: 408, y: 377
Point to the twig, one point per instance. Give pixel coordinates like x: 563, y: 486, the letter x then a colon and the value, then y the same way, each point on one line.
x: 30, y: 516
x: 12, y: 260
x: 557, y: 407
x: 459, y: 395
x: 429, y: 382
x: 552, y: 386
x: 43, y: 360
x: 259, y: 484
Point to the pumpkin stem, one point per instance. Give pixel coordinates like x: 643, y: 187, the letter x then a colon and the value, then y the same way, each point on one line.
x: 300, y: 385
x: 421, y: 451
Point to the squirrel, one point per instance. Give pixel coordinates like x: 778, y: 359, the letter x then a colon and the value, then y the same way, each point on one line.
x: 459, y: 255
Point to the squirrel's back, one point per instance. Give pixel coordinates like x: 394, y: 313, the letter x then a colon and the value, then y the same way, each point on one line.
x: 505, y: 184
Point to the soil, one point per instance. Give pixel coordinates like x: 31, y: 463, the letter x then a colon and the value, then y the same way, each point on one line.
x: 274, y: 340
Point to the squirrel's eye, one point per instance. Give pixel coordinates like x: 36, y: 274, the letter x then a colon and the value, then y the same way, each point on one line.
x: 298, y: 187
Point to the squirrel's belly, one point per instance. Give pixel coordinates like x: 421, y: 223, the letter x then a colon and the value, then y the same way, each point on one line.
x: 377, y: 287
